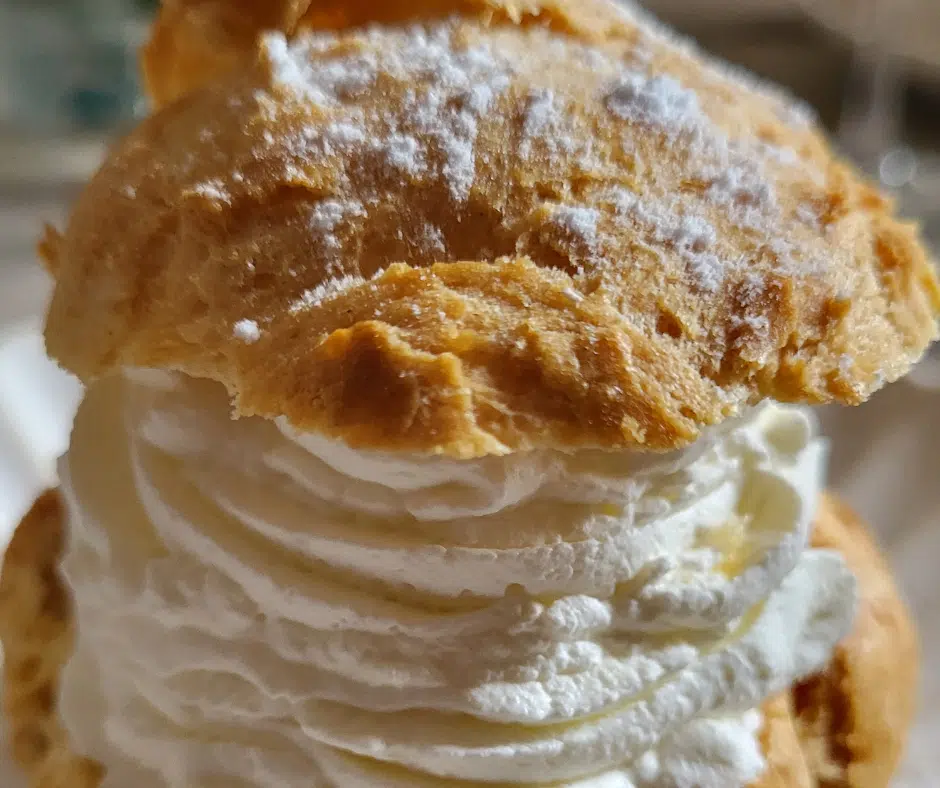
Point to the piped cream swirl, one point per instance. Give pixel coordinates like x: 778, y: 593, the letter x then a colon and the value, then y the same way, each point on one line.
x: 266, y: 608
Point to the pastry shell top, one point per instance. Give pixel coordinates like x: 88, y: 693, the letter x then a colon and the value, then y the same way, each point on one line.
x: 540, y: 224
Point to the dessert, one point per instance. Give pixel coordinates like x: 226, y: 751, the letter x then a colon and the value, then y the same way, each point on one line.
x: 520, y: 308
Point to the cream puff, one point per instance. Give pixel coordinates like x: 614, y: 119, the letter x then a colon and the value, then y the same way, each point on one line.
x: 447, y: 421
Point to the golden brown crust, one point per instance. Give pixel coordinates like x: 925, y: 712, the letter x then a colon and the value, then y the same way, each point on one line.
x: 843, y: 729
x: 193, y: 41
x: 786, y: 762
x: 648, y: 245
x: 853, y: 719
x: 196, y: 41
x: 36, y: 634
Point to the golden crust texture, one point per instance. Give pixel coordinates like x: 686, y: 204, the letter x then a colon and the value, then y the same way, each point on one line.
x: 195, y: 41
x: 474, y: 236
x: 36, y: 632
x: 787, y: 766
x: 842, y: 729
x: 853, y: 719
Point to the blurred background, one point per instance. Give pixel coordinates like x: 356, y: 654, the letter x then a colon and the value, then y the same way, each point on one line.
x: 69, y: 83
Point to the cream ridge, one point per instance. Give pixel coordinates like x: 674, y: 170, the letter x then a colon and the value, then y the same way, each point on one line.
x: 261, y: 607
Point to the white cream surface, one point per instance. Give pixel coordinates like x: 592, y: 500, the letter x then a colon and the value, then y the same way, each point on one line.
x: 269, y: 609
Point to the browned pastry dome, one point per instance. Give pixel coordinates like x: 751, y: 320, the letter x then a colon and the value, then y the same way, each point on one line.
x: 472, y: 238
x: 195, y: 41
x: 845, y: 727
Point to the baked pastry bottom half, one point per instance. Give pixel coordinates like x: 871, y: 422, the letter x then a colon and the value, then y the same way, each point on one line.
x: 843, y: 727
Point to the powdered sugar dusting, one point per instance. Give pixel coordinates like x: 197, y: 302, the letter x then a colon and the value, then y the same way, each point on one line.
x: 750, y: 295
x: 759, y: 324
x: 735, y: 173
x: 324, y: 292
x: 692, y: 236
x: 247, y: 331
x: 403, y: 152
x: 658, y: 101
x: 738, y: 180
x: 346, y: 134
x: 789, y: 109
x: 784, y: 156
x: 736, y: 185
x: 548, y: 128
x: 746, y: 193
x: 846, y: 362
x: 751, y: 290
x: 434, y: 240
x: 327, y: 217
x: 541, y: 117
x: 449, y: 90
x: 213, y: 190
x: 578, y: 222
x: 693, y: 233
x: 807, y: 215
x: 541, y: 112
x: 459, y: 169
x: 324, y: 82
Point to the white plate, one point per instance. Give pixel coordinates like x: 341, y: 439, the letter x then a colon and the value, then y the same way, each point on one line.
x: 37, y: 401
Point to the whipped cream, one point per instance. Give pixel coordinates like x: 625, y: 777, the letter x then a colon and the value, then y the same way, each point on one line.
x: 261, y: 607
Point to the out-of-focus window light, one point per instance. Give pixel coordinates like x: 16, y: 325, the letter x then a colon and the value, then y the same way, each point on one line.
x: 69, y: 65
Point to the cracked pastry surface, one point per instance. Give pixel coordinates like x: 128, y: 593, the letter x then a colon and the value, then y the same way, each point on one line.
x: 470, y: 236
